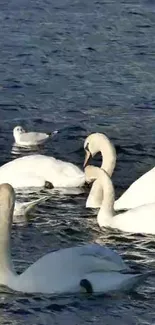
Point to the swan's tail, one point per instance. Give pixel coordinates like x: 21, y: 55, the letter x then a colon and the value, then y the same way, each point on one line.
x: 108, y: 282
x: 141, y: 277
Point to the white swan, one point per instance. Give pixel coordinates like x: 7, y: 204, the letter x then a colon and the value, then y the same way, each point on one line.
x: 24, y: 139
x: 23, y: 208
x: 142, y: 191
x: 91, y: 267
x: 41, y: 171
x: 94, y: 143
x: 138, y: 220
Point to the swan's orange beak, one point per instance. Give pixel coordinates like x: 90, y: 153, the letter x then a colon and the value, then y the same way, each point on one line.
x: 87, y: 156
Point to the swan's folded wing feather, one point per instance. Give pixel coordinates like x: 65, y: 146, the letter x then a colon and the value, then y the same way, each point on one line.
x: 110, y: 258
x: 22, y: 179
x: 139, y: 193
x: 114, y: 281
x: 69, y: 169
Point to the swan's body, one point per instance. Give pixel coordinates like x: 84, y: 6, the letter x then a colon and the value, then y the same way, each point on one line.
x: 61, y: 271
x: 141, y: 192
x: 138, y: 220
x: 23, y: 208
x: 35, y: 170
x: 27, y: 139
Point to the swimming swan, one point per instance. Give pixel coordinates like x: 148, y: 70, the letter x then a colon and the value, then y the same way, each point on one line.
x: 41, y: 171
x: 138, y: 220
x: 91, y: 267
x: 94, y: 143
x: 142, y: 191
x: 24, y: 139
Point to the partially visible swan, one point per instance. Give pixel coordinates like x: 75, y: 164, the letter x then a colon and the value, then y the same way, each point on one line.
x: 142, y: 191
x: 90, y: 267
x: 41, y: 171
x: 94, y: 143
x: 24, y: 139
x: 138, y: 220
x: 23, y: 208
x: 98, y: 142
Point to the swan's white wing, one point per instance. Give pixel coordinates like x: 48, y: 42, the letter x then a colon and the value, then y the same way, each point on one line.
x: 20, y: 179
x: 59, y: 173
x: 63, y: 269
x: 68, y: 168
x: 111, y: 259
x: 137, y: 220
x: 114, y: 281
x: 71, y: 175
x: 142, y: 191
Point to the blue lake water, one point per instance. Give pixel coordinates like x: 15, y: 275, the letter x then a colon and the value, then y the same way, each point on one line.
x: 79, y: 67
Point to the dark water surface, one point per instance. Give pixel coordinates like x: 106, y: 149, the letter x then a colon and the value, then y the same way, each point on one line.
x: 79, y: 66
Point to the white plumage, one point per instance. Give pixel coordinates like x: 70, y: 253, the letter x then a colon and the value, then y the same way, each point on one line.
x: 141, y: 192
x: 61, y: 271
x: 35, y: 170
x: 26, y: 139
x: 138, y: 220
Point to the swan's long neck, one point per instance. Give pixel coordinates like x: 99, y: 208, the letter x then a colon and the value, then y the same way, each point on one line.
x: 108, y: 153
x: 6, y: 266
x: 5, y: 247
x: 107, y: 207
x: 95, y: 196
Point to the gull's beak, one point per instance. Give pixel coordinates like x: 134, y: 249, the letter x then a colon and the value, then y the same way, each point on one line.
x: 87, y: 156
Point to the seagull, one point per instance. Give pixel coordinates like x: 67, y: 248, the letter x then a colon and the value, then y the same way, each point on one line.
x: 27, y: 139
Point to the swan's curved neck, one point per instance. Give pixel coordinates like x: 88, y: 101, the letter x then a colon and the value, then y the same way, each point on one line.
x: 106, y: 211
x: 95, y: 196
x: 108, y: 153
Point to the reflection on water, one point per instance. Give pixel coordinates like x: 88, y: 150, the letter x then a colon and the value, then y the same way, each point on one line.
x: 23, y: 151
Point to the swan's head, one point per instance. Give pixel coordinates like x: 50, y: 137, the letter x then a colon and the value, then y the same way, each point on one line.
x: 7, y: 201
x: 92, y: 145
x: 91, y: 173
x: 18, y: 130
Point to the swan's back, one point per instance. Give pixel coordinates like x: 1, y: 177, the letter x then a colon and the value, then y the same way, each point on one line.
x: 137, y: 220
x: 141, y: 192
x: 58, y: 271
x: 62, y: 270
x: 58, y: 172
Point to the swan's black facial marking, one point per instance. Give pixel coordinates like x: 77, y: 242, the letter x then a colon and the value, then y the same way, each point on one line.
x: 48, y: 185
x: 87, y: 148
x: 88, y: 155
x: 85, y: 284
x: 87, y: 185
